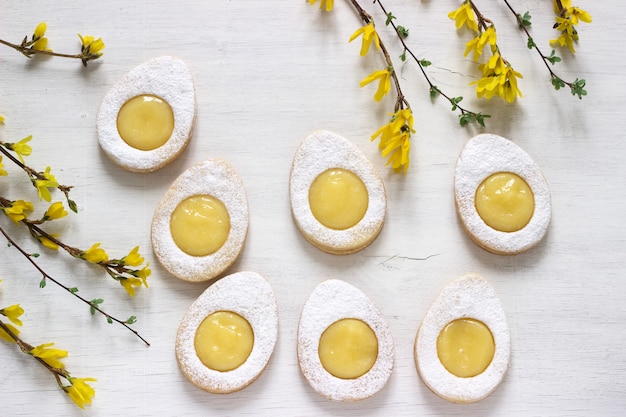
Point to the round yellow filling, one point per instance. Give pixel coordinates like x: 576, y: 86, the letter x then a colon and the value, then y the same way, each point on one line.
x: 505, y: 202
x: 338, y: 199
x: 200, y: 225
x: 465, y: 347
x: 224, y: 341
x: 348, y: 348
x: 145, y: 122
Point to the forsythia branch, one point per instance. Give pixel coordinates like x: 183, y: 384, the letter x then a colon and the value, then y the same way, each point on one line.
x: 78, y: 389
x: 91, y: 48
x: 577, y: 86
x: 93, y: 306
x: 466, y: 115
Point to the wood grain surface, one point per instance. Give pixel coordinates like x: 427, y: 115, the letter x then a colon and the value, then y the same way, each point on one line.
x: 267, y: 74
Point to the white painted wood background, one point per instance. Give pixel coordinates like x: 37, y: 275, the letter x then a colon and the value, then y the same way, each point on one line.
x: 267, y: 74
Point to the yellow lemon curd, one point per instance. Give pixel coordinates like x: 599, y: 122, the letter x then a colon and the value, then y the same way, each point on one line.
x: 223, y: 341
x: 465, y: 347
x: 348, y: 348
x: 338, y: 199
x: 200, y: 225
x: 145, y: 122
x: 505, y: 202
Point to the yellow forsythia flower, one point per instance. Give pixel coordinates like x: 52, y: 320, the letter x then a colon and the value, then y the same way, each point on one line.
x: 577, y: 14
x: 477, y: 44
x: 568, y: 34
x: 4, y: 335
x: 1, y: 119
x: 48, y: 243
x: 384, y: 82
x: 143, y: 274
x: 80, y: 392
x: 488, y: 37
x: 464, y: 16
x: 40, y: 30
x: 41, y: 43
x: 566, y: 19
x: 95, y: 254
x: 499, y: 79
x: 95, y: 46
x: 17, y: 211
x: 398, y: 150
x: 487, y: 87
x: 508, y: 82
x: 42, y: 185
x: 22, y: 148
x: 3, y: 172
x: 49, y: 355
x: 328, y: 3
x: 399, y: 120
x: 129, y: 284
x: 369, y: 34
x: 395, y: 139
x: 141, y: 279
x: 133, y: 258
x: 473, y: 46
x: 495, y: 65
x: 13, y: 313
x: 55, y: 211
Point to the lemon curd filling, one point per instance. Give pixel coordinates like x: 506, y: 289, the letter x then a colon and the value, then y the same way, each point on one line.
x: 505, y: 202
x: 200, y: 225
x: 348, y: 348
x: 465, y: 347
x: 145, y: 122
x: 224, y: 340
x: 338, y: 199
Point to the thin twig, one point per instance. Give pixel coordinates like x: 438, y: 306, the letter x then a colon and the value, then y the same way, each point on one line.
x: 75, y: 294
x: 543, y: 57
x: 31, y: 51
x: 482, y: 20
x: 431, y: 85
x: 33, y: 174
x: 401, y: 101
x: 27, y: 348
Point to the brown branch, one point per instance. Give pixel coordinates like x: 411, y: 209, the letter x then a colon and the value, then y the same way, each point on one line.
x: 27, y: 348
x: 32, y: 174
x: 401, y: 101
x: 32, y: 51
x: 482, y: 20
x: 74, y: 293
x: 534, y: 44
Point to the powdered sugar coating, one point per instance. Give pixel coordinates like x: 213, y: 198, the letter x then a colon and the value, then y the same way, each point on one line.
x: 329, y: 302
x: 319, y: 152
x: 217, y: 178
x: 470, y: 296
x: 482, y: 156
x: 165, y: 77
x: 247, y: 294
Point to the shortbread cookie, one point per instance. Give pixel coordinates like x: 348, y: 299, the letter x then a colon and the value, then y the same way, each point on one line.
x: 345, y: 348
x: 463, y: 346
x: 200, y: 225
x: 338, y: 199
x: 502, y: 198
x: 145, y: 121
x: 227, y: 336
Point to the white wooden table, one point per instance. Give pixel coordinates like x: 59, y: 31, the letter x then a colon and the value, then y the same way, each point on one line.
x: 267, y: 74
